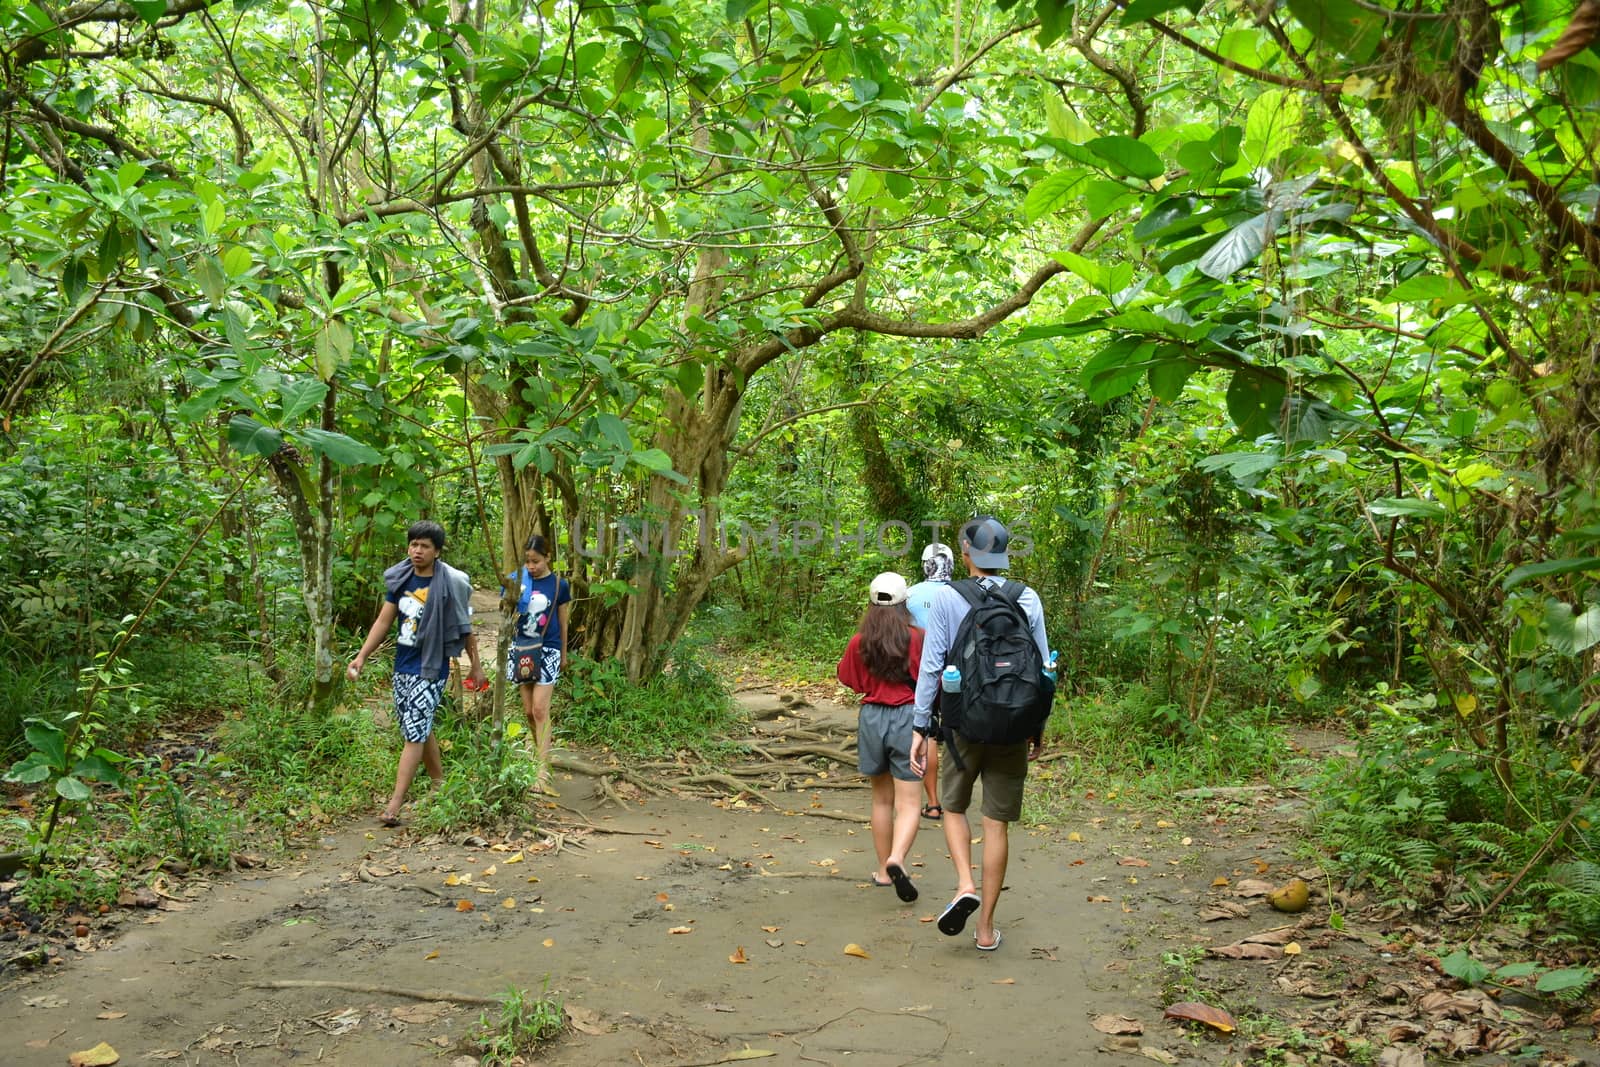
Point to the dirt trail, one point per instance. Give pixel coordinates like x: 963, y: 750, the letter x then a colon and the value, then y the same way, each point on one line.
x: 633, y: 924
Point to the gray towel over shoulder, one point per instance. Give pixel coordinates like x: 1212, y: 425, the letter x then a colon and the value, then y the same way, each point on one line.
x: 446, y: 617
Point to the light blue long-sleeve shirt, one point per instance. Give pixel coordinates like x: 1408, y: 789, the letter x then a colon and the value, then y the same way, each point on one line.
x: 919, y: 600
x: 944, y: 619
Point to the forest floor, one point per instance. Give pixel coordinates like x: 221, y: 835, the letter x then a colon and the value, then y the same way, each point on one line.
x: 682, y: 930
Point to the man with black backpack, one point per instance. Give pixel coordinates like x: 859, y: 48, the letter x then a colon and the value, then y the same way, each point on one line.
x: 992, y: 631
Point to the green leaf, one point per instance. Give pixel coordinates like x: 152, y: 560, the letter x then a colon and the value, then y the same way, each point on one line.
x: 300, y: 395
x: 97, y: 768
x: 614, y: 430
x: 1062, y: 121
x: 213, y: 283
x: 1255, y: 400
x: 1341, y: 24
x: 1239, y: 246
x: 48, y: 741
x: 1517, y: 970
x: 1566, y: 978
x: 237, y: 261
x: 1144, y: 10
x: 72, y: 789
x: 1128, y: 156
x: 658, y: 462
x: 29, y: 770
x: 1273, y: 122
x: 343, y: 450
x: 1391, y: 507
x: 249, y: 437
x: 1568, y: 631
x: 647, y: 129
x: 691, y: 376
x: 1548, y: 567
x: 1463, y: 967
x: 1167, y: 379
x: 149, y: 10
x: 1051, y: 193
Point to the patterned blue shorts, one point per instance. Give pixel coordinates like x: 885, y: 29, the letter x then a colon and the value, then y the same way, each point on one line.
x: 549, y: 666
x: 415, y: 700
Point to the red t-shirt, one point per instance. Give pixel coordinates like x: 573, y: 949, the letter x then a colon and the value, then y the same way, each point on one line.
x: 853, y: 673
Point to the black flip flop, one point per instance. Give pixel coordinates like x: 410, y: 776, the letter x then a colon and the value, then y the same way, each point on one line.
x: 955, y: 916
x: 902, y: 883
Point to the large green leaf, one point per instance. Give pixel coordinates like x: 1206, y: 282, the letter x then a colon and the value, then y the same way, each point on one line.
x: 249, y: 437
x: 1239, y: 246
x: 1255, y: 400
x: 300, y: 395
x: 614, y: 430
x: 1569, y: 630
x: 149, y: 10
x: 1549, y: 567
x: 1129, y: 156
x: 1353, y: 30
x: 343, y: 450
x: 1052, y: 193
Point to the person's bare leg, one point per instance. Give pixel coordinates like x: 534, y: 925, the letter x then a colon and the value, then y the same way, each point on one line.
x: 410, y: 760
x: 882, y: 822
x: 996, y: 849
x: 958, y: 839
x: 907, y: 819
x: 431, y: 761
x: 539, y: 719
x: 930, y: 776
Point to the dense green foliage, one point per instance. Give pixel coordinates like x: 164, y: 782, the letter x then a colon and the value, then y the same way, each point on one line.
x: 1271, y: 330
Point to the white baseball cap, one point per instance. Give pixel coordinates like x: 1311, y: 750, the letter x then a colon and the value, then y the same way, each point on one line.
x: 887, y: 588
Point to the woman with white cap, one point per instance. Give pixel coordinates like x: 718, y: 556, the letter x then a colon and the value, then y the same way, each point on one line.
x: 938, y: 567
x: 881, y: 664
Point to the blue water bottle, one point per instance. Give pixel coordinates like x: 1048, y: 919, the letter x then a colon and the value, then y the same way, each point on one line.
x: 1050, y: 665
x: 950, y: 681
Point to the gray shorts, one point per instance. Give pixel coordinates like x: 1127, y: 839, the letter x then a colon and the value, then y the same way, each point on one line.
x: 883, y: 741
x: 1002, y: 768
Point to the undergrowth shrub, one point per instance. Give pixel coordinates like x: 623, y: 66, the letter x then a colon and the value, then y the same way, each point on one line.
x: 685, y: 706
x: 1134, y: 742
x: 1422, y: 822
x: 487, y: 779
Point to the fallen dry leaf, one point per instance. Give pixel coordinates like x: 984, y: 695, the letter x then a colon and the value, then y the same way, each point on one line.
x: 432, y: 955
x: 1160, y: 1055
x: 514, y: 859
x: 1132, y: 861
x: 487, y: 871
x: 1099, y: 900
x: 853, y: 949
x: 1242, y: 950
x: 549, y: 942
x: 586, y: 1021
x: 1223, y: 909
x: 1004, y: 981
x: 1195, y: 1012
x: 739, y: 956
x: 1251, y: 887
x: 112, y: 1015
x: 1117, y: 1024
x: 681, y: 930
x: 773, y: 942
x: 509, y: 902
x: 102, y: 1055
x: 465, y: 905
x: 772, y: 929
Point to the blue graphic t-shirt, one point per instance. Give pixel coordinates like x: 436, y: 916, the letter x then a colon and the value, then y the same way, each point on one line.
x: 411, y: 598
x: 538, y: 604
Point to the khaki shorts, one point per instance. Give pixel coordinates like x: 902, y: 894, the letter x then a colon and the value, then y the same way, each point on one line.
x: 1002, y: 768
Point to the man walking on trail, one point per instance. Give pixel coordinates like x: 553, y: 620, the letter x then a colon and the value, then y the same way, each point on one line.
x: 1002, y: 768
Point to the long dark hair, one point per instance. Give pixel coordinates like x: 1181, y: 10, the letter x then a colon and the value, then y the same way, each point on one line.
x: 886, y: 642
x: 538, y: 544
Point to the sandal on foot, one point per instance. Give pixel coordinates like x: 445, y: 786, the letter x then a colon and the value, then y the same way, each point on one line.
x: 956, y: 914
x: 902, y: 883
x: 932, y: 811
x: 388, y: 820
x: 987, y: 948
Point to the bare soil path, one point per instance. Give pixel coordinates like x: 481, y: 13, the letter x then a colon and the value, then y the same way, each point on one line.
x: 684, y: 931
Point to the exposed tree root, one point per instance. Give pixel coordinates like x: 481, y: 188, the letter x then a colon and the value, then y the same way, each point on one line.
x: 360, y: 987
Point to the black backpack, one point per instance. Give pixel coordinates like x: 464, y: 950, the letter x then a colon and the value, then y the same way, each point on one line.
x: 1005, y: 695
